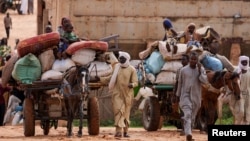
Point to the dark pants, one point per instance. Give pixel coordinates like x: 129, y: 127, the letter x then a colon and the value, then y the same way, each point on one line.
x: 7, y: 29
x: 2, y: 112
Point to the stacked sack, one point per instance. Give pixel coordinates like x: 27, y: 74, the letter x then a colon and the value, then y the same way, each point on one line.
x: 160, y: 64
x: 34, y: 59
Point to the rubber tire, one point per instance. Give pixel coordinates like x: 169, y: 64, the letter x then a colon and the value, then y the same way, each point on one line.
x: 93, y: 116
x: 29, y: 117
x: 46, y: 127
x: 151, y: 114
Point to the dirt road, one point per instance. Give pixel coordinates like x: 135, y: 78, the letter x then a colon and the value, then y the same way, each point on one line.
x: 23, y: 26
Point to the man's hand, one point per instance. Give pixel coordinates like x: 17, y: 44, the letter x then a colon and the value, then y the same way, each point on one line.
x: 130, y: 85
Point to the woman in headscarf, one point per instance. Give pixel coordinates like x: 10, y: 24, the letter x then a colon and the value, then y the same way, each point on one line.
x: 121, y: 84
x: 243, y: 105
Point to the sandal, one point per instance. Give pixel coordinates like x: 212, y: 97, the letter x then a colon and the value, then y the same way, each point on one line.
x: 118, y: 135
x: 126, y: 135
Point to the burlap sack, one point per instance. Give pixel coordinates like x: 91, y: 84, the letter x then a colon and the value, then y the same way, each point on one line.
x: 168, y: 56
x: 47, y: 59
x: 172, y: 66
x: 27, y: 69
x: 62, y: 65
x: 84, y: 56
x: 100, y: 69
x: 166, y: 77
x: 52, y: 75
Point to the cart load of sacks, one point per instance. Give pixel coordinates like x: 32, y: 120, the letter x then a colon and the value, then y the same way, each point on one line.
x: 160, y: 65
x: 34, y: 59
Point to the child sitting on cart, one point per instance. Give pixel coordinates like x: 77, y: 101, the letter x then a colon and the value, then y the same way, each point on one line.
x: 67, y: 38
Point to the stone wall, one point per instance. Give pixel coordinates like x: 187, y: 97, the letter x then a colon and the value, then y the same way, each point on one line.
x: 137, y: 21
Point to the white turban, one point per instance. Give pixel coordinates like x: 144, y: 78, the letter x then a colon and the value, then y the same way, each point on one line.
x: 242, y: 58
x: 124, y: 54
x: 117, y: 67
x: 127, y: 56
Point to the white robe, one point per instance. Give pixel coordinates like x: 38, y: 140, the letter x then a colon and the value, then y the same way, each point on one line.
x: 189, y: 91
x: 24, y: 6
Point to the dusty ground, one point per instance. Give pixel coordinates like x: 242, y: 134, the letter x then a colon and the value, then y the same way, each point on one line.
x: 24, y: 26
x: 15, y: 133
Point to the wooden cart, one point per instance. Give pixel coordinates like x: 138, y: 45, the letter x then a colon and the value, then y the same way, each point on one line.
x: 40, y: 106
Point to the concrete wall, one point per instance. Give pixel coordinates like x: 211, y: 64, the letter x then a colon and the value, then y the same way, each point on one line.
x: 137, y: 21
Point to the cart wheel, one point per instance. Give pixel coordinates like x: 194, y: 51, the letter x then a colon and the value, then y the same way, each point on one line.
x: 29, y: 117
x: 46, y: 127
x: 93, y: 116
x: 151, y: 114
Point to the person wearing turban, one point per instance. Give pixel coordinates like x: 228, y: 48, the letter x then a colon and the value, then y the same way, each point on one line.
x: 190, y: 33
x: 121, y: 84
x: 170, y: 31
x: 243, y: 105
x: 170, y: 35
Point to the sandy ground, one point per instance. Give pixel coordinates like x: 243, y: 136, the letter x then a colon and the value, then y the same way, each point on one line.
x: 15, y: 133
x: 24, y: 26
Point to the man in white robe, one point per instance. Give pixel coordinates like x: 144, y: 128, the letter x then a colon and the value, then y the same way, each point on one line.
x: 121, y: 84
x: 242, y: 107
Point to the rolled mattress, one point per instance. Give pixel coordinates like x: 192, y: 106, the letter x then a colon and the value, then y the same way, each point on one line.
x: 95, y: 45
x: 38, y: 44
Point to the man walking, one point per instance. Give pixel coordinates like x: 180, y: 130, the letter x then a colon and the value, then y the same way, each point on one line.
x: 7, y: 24
x: 191, y: 77
x: 121, y: 84
x: 243, y: 106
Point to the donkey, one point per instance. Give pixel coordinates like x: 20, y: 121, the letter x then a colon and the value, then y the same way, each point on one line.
x: 208, y: 112
x: 75, y: 91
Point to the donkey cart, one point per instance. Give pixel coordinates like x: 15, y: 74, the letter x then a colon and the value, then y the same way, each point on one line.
x: 39, y: 105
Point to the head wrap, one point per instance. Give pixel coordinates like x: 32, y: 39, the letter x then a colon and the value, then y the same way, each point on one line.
x: 242, y: 58
x: 127, y: 56
x: 190, y: 24
x: 116, y: 69
x: 167, y: 23
x: 194, y: 36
